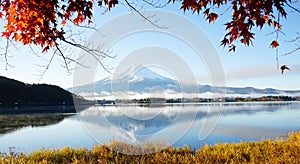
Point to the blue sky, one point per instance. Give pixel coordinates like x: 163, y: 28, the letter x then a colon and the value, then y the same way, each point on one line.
x: 249, y: 66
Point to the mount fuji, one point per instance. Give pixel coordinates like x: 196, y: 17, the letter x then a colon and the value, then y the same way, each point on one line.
x: 142, y: 82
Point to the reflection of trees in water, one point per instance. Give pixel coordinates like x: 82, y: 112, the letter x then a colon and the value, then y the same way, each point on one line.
x: 9, y: 123
x: 37, y: 109
x: 252, y: 108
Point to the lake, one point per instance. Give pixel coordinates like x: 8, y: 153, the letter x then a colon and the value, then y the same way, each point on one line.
x: 189, y: 124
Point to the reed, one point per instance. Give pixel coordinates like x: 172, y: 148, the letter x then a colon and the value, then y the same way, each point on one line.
x: 282, y: 150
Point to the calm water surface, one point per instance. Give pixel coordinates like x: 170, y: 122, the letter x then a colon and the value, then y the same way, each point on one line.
x: 190, y: 124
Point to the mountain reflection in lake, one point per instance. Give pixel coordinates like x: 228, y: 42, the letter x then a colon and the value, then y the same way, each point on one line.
x: 189, y: 124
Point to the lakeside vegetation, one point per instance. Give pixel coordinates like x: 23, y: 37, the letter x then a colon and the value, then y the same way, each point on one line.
x: 199, y: 100
x: 283, y: 150
x: 18, y: 94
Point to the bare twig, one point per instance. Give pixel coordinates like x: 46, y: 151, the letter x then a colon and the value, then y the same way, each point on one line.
x: 226, y: 10
x: 155, y: 4
x: 95, y: 51
x: 295, y: 1
x: 46, y: 67
x: 97, y: 54
x: 76, y: 61
x: 36, y: 54
x: 67, y: 60
x: 143, y: 16
x: 64, y: 58
x: 277, y: 58
x: 292, y: 7
x: 274, y: 32
x: 5, y: 54
x: 277, y: 30
x: 294, y: 40
x: 293, y: 51
x: 89, y: 27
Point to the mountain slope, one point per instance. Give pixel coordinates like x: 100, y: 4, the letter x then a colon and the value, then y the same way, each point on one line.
x: 16, y: 93
x: 140, y: 80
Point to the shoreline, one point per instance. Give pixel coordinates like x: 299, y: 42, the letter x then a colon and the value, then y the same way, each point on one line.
x: 44, y: 109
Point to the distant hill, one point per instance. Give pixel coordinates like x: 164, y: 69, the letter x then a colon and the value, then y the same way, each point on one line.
x: 16, y: 93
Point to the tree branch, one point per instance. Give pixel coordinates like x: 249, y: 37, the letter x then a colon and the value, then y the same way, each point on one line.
x: 95, y: 51
x: 88, y: 27
x: 64, y: 58
x: 143, y: 16
x: 97, y: 54
x: 291, y: 52
x: 47, y: 66
x: 5, y: 54
x: 295, y: 43
x: 154, y: 4
x: 294, y: 40
x: 292, y: 7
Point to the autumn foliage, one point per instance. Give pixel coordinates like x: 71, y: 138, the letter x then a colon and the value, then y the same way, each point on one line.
x: 42, y: 22
x: 246, y: 14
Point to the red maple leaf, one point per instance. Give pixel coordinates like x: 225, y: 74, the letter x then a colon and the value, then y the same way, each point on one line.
x: 274, y: 44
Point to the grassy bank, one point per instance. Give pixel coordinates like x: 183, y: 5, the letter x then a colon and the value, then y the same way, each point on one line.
x: 285, y: 150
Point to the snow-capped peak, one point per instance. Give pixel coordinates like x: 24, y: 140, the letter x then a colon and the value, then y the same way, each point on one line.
x: 136, y: 73
x: 147, y: 73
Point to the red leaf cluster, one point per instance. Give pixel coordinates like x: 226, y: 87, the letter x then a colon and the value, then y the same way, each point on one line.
x: 39, y: 21
x: 246, y: 14
x: 108, y: 3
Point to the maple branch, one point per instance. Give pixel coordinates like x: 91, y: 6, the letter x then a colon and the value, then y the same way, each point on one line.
x: 5, y: 54
x: 292, y: 7
x: 87, y: 27
x: 154, y: 4
x: 277, y: 35
x: 76, y: 61
x: 47, y: 66
x: 36, y: 54
x: 96, y: 53
x: 294, y: 40
x: 297, y: 45
x: 291, y: 52
x: 64, y: 58
x: 226, y: 10
x: 143, y: 16
x: 67, y: 61
x: 295, y: 1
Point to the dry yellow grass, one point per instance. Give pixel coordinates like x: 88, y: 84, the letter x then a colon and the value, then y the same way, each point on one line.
x: 266, y: 151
